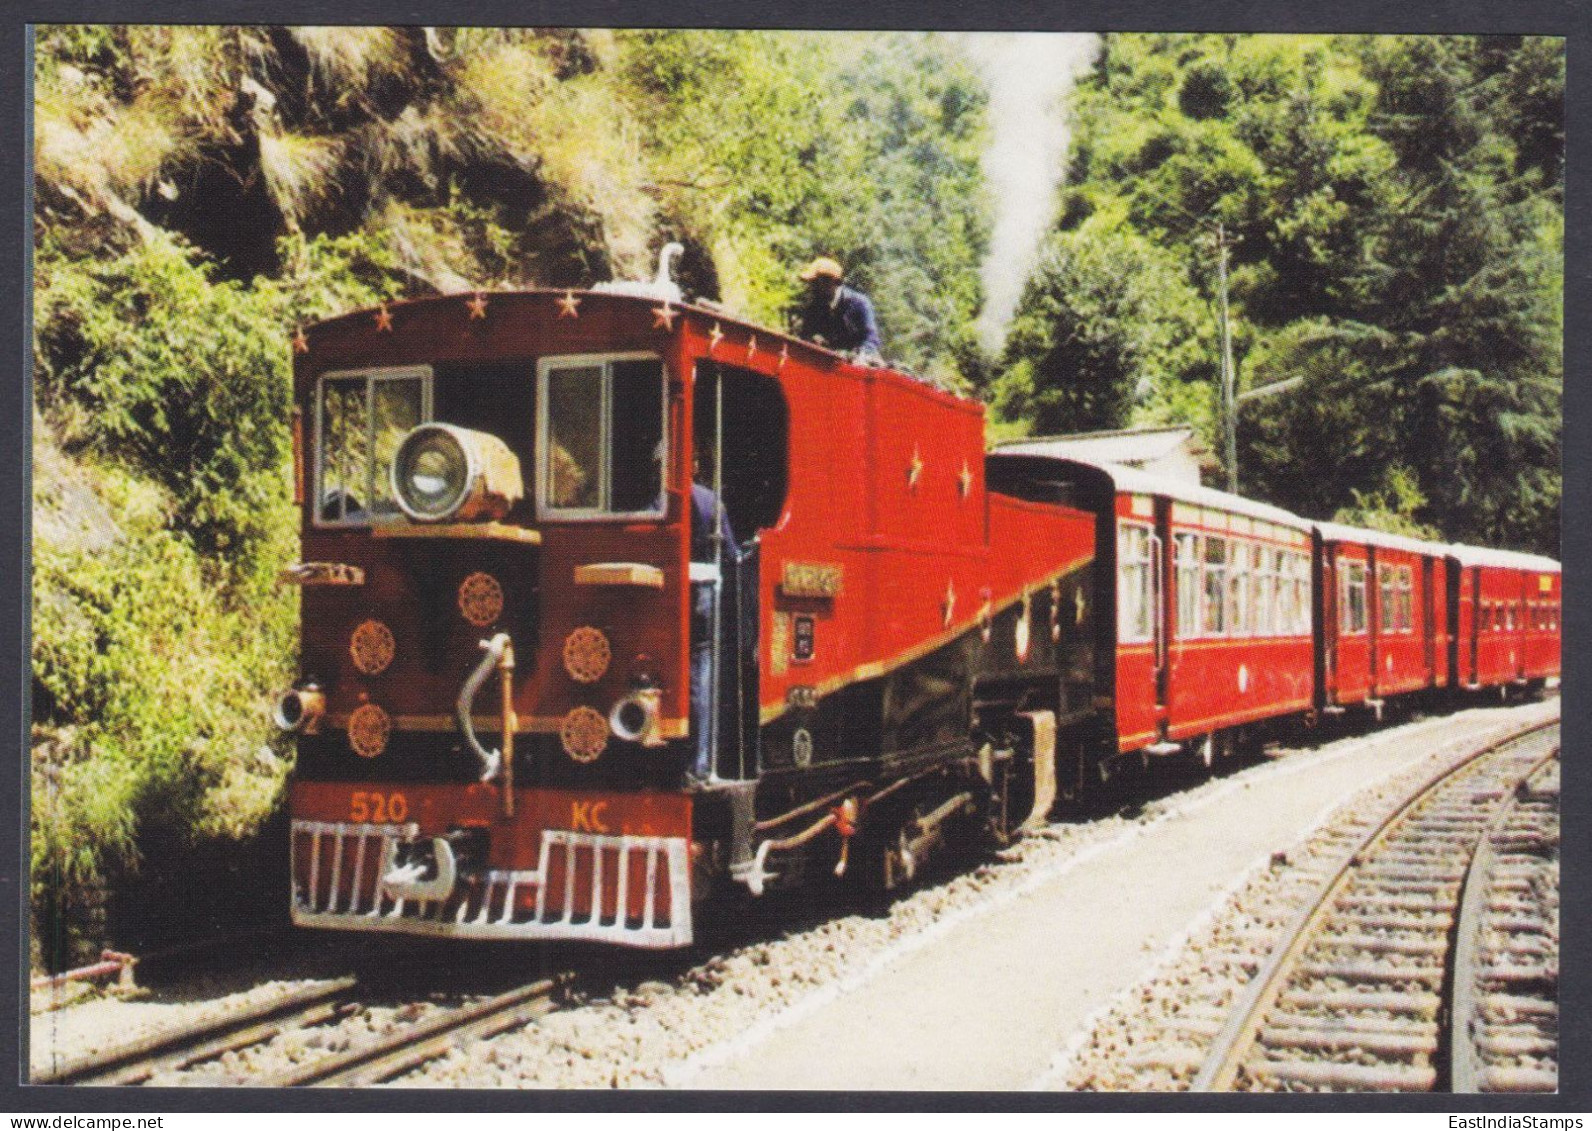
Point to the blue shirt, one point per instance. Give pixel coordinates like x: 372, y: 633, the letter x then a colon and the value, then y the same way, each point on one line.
x: 844, y: 325
x: 703, y: 504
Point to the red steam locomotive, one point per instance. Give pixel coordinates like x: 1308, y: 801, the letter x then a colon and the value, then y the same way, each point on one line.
x: 553, y: 689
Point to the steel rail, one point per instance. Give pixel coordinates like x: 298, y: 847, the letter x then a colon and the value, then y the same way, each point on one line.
x: 1238, y: 1035
x: 1466, y: 1065
x: 185, y: 1042
x: 404, y: 1050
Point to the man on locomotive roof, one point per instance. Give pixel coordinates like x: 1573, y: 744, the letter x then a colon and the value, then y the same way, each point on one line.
x: 837, y: 316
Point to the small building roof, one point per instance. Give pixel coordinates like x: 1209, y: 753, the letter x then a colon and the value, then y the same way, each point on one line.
x: 1125, y: 446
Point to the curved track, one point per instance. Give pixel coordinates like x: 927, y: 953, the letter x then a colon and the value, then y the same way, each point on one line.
x: 1506, y: 967
x: 1352, y: 998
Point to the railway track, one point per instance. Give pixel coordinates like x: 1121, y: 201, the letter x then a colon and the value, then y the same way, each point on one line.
x: 1506, y: 963
x: 1355, y: 995
x: 165, y: 1057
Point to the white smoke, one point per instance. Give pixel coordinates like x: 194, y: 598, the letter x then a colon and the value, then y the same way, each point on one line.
x: 1029, y: 75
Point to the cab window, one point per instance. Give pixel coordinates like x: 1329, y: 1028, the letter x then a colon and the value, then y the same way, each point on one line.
x: 601, y: 445
x: 361, y: 417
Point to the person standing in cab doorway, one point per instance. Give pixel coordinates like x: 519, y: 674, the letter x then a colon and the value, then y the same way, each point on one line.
x: 836, y: 316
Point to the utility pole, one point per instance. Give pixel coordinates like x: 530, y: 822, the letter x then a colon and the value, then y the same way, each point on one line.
x: 1229, y: 375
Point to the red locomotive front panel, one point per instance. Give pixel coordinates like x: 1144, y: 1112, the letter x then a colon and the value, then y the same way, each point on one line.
x: 444, y: 860
x: 493, y: 710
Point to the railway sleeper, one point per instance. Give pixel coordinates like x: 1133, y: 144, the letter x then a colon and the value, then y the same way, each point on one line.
x: 1368, y: 972
x: 1347, y: 1077
x: 1314, y: 1022
x: 1407, y: 886
x: 1512, y: 950
x: 1544, y: 977
x: 1352, y: 901
x: 1509, y: 906
x: 1509, y: 1007
x: 1375, y: 921
x: 1381, y: 944
x: 1351, y: 1040
x: 1390, y: 1001
x: 1515, y: 1079
x: 1415, y: 873
x: 1527, y: 924
x: 1180, y: 1060
x: 1509, y: 1044
x: 1444, y: 860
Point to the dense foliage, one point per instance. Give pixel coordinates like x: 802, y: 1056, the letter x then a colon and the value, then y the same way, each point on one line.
x: 200, y: 191
x: 1393, y: 207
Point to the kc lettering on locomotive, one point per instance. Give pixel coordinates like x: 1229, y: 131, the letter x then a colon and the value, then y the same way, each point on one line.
x: 587, y: 816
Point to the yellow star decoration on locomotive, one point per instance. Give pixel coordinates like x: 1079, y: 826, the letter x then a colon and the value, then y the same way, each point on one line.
x: 383, y: 319
x: 477, y: 306
x: 715, y: 336
x: 950, y: 601
x: 301, y: 341
x: 663, y: 317
x: 784, y: 355
x: 914, y: 469
x: 568, y: 306
x: 964, y: 481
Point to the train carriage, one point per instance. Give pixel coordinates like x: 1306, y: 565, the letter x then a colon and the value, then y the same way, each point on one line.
x: 1383, y: 616
x: 1209, y: 629
x: 1507, y: 607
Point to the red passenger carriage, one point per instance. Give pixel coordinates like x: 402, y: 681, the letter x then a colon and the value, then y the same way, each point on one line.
x: 1507, y: 607
x: 1383, y: 616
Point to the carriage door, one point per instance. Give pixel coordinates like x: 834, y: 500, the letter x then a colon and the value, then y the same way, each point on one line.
x: 1429, y: 620
x: 1474, y: 635
x: 1161, y: 567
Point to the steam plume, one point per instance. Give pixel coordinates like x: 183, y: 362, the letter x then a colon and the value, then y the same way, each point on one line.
x: 1029, y: 74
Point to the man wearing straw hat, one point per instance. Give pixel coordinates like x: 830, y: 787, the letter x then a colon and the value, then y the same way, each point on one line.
x: 836, y: 316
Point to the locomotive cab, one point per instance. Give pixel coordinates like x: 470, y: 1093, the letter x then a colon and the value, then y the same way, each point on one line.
x: 608, y: 602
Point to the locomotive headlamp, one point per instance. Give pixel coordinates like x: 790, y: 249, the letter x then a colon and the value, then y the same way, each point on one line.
x: 444, y: 472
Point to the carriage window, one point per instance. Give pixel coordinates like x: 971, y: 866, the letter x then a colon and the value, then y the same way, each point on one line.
x: 1264, y: 594
x: 1188, y: 586
x: 601, y: 442
x: 1405, y: 617
x: 1135, y: 605
x: 1301, y: 586
x: 362, y: 418
x: 1238, y: 585
x: 1214, y: 621
x: 1386, y: 598
x: 1351, y: 599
